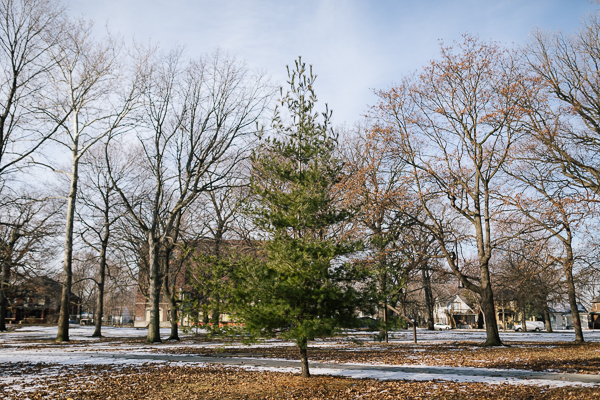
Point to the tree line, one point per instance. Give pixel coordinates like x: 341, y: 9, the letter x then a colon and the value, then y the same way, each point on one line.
x: 482, y: 166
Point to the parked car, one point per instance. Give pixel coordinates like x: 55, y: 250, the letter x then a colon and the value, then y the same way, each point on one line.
x: 441, y: 327
x: 86, y: 321
x: 531, y: 326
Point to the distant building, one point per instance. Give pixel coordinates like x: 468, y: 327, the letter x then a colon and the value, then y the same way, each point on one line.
x: 594, y: 315
x: 562, y: 319
x: 182, y: 281
x: 37, y: 300
x: 458, y: 312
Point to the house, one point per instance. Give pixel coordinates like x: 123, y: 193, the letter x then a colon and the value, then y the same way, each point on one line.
x: 458, y: 312
x: 568, y: 319
x: 506, y: 306
x: 594, y: 314
x: 37, y: 300
x: 563, y: 319
x: 557, y: 319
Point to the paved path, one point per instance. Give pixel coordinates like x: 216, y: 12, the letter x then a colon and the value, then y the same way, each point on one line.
x: 437, y: 372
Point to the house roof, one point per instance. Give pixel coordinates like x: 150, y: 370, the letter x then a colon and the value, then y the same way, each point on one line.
x: 450, y: 300
x: 580, y: 308
x: 38, y: 285
x: 596, y: 299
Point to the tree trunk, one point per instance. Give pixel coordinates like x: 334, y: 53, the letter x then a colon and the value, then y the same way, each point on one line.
x: 154, y: 290
x: 383, y: 314
x: 414, y: 324
x: 302, y: 346
x: 489, y: 315
x: 572, y: 297
x: 547, y: 321
x: 99, y: 311
x: 205, y: 317
x: 65, y: 303
x: 216, y: 314
x: 170, y: 294
x: 4, y: 279
x: 428, y: 297
x: 524, y: 320
x: 174, y: 321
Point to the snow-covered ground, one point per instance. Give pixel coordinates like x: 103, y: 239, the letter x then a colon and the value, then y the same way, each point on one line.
x: 76, y: 332
x: 30, y: 345
x: 84, y: 333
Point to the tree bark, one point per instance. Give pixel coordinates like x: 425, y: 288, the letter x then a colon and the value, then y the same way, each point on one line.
x: 99, y: 311
x: 302, y: 346
x: 65, y: 303
x: 383, y: 314
x: 428, y: 297
x: 489, y: 315
x: 568, y: 267
x: 547, y: 321
x: 216, y: 313
x: 4, y: 279
x: 154, y: 290
x: 205, y: 317
x: 172, y: 303
x: 414, y: 324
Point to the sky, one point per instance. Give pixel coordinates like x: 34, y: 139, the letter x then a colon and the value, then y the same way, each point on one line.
x: 355, y: 46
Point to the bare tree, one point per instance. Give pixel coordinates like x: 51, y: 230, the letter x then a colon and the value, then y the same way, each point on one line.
x: 27, y: 224
x: 195, y: 114
x: 100, y: 213
x: 375, y: 187
x: 569, y: 67
x: 552, y: 205
x: 84, y: 280
x: 455, y: 124
x: 528, y: 274
x: 92, y: 97
x: 29, y: 31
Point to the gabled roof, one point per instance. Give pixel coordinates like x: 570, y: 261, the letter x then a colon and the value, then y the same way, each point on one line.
x: 449, y: 302
x: 596, y: 300
x: 580, y: 308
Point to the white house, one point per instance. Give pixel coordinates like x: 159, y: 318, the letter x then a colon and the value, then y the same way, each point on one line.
x: 456, y: 312
x: 564, y: 320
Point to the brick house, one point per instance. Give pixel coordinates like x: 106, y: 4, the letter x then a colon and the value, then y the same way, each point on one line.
x: 594, y: 315
x: 37, y: 300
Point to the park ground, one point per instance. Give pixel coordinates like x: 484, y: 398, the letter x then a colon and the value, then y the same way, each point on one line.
x: 447, y: 365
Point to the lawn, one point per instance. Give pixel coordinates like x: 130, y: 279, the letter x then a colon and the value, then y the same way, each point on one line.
x: 33, y: 366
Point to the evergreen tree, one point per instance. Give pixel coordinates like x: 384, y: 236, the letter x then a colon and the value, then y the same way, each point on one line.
x: 302, y: 285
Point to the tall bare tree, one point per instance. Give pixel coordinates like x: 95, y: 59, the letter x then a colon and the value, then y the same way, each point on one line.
x: 376, y: 188
x: 550, y: 202
x: 92, y: 97
x: 100, y: 213
x: 455, y: 124
x: 569, y: 129
x: 195, y: 113
x: 29, y: 31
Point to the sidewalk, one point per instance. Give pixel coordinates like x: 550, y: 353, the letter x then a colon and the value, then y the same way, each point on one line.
x: 465, y: 374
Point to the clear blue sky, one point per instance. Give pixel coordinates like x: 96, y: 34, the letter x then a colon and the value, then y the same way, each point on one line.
x: 355, y: 46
